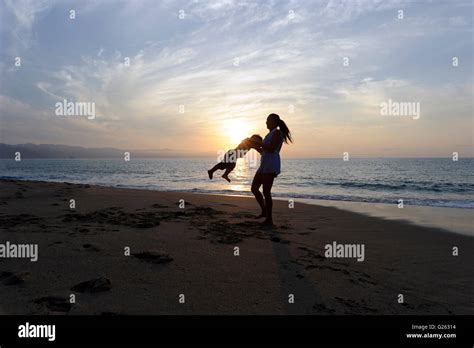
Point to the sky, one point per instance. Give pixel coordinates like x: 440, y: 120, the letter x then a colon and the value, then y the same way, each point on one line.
x: 199, y: 76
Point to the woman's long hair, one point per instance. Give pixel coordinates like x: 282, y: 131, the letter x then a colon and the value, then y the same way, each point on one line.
x: 283, y: 128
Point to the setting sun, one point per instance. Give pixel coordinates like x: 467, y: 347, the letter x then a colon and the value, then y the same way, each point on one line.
x: 236, y: 131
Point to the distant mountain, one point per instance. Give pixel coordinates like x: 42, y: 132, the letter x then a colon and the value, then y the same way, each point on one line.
x: 31, y: 151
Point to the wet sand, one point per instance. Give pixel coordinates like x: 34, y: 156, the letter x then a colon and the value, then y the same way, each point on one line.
x: 458, y: 220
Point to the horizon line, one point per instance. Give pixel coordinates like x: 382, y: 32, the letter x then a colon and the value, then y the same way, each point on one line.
x: 208, y: 157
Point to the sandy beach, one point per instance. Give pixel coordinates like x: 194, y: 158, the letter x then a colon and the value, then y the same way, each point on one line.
x: 191, y: 251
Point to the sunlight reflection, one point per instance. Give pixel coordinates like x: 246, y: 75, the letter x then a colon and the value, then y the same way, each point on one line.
x: 238, y: 187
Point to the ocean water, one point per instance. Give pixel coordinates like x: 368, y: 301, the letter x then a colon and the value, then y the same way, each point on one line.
x: 423, y: 182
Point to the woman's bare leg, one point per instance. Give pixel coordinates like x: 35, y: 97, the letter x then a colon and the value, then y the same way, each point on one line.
x: 267, y: 193
x: 256, y: 183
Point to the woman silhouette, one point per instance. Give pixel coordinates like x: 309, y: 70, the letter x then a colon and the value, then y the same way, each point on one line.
x: 270, y: 164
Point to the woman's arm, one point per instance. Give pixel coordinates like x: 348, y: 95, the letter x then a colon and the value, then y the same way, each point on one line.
x: 256, y: 144
x: 276, y: 139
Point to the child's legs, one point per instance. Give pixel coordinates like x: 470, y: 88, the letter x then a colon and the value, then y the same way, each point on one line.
x: 229, y: 168
x: 218, y: 166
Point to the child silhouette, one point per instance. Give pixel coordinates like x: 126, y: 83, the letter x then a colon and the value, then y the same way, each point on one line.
x: 229, y: 161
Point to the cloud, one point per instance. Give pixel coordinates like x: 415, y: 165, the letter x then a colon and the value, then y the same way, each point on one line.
x: 457, y: 20
x: 24, y: 14
x: 340, y: 11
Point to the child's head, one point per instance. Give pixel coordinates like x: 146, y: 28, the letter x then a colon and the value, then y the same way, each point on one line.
x: 256, y: 137
x: 247, y: 145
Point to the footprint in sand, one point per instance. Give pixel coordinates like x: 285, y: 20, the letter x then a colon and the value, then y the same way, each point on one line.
x: 10, y: 221
x: 90, y: 247
x: 279, y: 240
x: 116, y: 217
x: 229, y: 240
x: 153, y: 257
x: 94, y: 285
x: 12, y: 278
x: 54, y: 303
x: 362, y: 280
